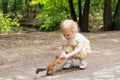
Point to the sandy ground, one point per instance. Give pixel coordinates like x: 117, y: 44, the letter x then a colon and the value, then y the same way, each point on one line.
x: 21, y: 54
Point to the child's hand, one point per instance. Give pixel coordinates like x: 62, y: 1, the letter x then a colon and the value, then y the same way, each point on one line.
x: 64, y: 55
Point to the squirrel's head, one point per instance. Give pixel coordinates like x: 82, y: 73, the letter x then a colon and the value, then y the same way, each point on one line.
x: 58, y: 59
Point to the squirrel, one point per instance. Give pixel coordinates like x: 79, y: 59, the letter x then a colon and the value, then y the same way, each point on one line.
x: 51, y: 67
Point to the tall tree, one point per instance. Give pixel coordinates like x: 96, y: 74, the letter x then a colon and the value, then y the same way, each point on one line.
x: 14, y: 6
x: 85, y: 17
x: 80, y: 14
x: 27, y: 7
x: 107, y: 15
x: 72, y: 10
x: 117, y: 10
x: 4, y: 6
x: 116, y: 16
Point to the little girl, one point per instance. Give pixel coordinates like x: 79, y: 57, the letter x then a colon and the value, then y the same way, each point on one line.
x: 74, y: 45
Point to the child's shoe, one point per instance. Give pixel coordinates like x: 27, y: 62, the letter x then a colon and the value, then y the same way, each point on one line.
x: 68, y: 64
x: 83, y: 65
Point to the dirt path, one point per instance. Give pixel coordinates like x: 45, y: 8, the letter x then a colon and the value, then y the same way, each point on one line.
x: 21, y: 54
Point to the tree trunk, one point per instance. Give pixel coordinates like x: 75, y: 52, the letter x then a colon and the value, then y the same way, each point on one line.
x: 27, y: 10
x: 4, y: 6
x: 116, y: 16
x: 107, y: 16
x: 72, y: 10
x: 85, y: 18
x: 14, y: 7
x: 117, y: 10
x: 80, y: 14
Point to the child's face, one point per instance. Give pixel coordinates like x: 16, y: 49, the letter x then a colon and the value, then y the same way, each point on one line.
x: 68, y: 35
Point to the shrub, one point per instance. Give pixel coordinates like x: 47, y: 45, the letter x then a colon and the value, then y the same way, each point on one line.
x: 9, y: 26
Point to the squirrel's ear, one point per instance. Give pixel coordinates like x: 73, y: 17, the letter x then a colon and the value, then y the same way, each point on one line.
x: 56, y: 57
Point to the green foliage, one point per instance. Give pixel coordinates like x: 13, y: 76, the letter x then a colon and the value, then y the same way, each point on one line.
x: 114, y: 3
x: 51, y: 23
x: 52, y: 13
x: 118, y: 23
x: 8, y: 26
x: 93, y: 30
x: 96, y: 6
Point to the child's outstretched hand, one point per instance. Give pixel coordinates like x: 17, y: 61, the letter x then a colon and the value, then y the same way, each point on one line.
x: 64, y: 55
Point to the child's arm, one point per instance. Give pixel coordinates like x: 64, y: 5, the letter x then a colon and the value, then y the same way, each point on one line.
x: 77, y: 50
x: 64, y: 48
x: 63, y: 53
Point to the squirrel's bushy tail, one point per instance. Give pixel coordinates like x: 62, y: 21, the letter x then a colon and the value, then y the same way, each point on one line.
x: 39, y: 70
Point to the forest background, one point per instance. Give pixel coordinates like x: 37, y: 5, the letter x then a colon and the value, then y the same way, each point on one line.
x: 46, y: 15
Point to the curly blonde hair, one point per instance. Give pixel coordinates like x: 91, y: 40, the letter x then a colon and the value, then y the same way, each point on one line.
x: 69, y: 25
